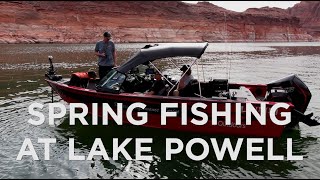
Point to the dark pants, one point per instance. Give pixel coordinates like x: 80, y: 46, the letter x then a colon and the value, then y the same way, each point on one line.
x: 104, y: 70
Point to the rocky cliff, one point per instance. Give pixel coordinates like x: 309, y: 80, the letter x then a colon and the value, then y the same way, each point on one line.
x: 309, y: 14
x: 171, y: 21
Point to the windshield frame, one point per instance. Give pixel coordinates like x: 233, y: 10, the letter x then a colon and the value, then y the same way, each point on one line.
x: 105, y: 86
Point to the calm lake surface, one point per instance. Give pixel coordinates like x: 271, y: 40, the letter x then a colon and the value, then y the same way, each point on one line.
x: 22, y: 83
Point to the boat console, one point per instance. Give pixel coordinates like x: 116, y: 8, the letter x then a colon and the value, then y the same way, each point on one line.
x: 213, y: 88
x: 219, y: 86
x: 218, y: 89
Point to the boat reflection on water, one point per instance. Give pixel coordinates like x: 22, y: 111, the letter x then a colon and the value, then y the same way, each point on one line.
x: 181, y: 166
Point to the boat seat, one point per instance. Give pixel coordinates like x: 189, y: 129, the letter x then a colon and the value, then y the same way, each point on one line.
x: 191, y: 89
x: 91, y: 84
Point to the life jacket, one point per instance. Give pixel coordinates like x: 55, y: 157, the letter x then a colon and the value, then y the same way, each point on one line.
x: 81, y: 75
x: 81, y: 79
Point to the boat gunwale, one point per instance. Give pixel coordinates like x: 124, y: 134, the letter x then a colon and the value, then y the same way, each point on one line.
x: 178, y: 98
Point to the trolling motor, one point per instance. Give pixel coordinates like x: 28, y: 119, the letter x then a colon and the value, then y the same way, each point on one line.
x: 51, y: 73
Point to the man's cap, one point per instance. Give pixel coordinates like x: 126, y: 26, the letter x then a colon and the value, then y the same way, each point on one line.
x: 107, y: 34
x: 184, y: 68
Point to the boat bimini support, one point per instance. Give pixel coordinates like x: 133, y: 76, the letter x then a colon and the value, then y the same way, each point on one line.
x: 161, y: 73
x: 194, y: 61
x: 198, y: 76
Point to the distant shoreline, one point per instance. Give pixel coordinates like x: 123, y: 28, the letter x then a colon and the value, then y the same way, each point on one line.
x: 124, y: 42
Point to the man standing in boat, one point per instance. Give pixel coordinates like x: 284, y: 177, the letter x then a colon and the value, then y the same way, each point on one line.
x: 106, y: 52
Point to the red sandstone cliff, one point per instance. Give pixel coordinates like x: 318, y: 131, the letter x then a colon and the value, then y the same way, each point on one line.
x: 85, y: 21
x: 309, y: 14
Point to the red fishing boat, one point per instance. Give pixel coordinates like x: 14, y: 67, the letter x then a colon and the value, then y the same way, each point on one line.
x: 127, y: 83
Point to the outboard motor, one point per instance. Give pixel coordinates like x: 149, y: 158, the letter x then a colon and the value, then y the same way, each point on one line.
x: 292, y: 89
x: 51, y: 73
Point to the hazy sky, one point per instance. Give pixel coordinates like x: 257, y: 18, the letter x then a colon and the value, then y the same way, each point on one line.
x: 240, y: 6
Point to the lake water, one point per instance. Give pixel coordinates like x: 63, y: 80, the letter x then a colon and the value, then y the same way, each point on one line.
x: 22, y: 82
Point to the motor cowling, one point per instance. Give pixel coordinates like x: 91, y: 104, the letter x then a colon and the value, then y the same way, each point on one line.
x: 290, y: 89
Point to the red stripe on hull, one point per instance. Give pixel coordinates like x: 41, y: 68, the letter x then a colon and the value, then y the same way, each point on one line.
x: 254, y: 130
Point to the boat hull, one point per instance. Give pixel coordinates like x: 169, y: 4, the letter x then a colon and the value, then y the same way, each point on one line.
x: 72, y: 94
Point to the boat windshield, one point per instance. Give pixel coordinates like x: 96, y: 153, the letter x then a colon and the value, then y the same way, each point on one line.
x: 112, y: 82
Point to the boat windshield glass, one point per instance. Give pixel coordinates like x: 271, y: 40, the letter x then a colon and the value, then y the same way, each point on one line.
x: 112, y: 82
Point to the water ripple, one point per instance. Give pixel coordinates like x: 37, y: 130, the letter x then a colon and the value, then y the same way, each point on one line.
x: 22, y: 84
